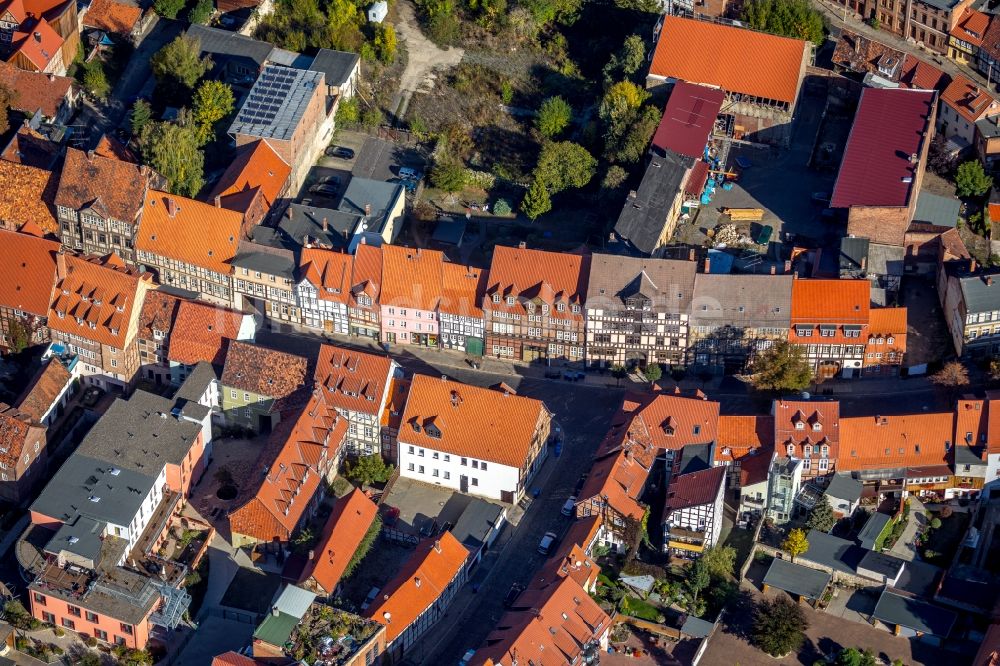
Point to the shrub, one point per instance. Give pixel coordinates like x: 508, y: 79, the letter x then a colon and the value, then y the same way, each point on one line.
x: 946, y: 511
x: 59, y: 631
x: 502, y: 207
x: 481, y: 179
x: 91, y: 641
x: 936, y: 524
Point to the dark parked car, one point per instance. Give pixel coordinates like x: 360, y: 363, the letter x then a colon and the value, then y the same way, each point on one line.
x: 328, y: 187
x: 512, y: 595
x: 341, y: 152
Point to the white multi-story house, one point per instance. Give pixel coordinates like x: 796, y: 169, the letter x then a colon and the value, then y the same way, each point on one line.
x: 323, y: 292
x: 480, y: 441
x: 356, y: 384
x: 692, y: 516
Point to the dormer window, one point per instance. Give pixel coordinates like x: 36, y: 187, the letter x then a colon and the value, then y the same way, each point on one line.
x: 496, y: 298
x: 576, y: 309
x: 825, y: 450
x: 61, y: 314
x: 545, y: 309
x: 561, y: 307
x: 510, y: 300
x: 807, y: 450
x: 790, y: 449
x: 817, y: 427
x: 799, y: 425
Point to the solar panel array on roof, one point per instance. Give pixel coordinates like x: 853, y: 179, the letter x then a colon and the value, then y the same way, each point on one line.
x: 264, y: 102
x: 277, y: 102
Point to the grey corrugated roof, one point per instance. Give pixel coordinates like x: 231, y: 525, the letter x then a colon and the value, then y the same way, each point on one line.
x: 265, y: 258
x: 980, y: 296
x: 914, y: 614
x: 885, y: 259
x: 937, y: 210
x: 336, y: 65
x: 797, y: 579
x: 833, y: 552
x: 696, y: 627
x: 873, y: 527
x: 276, y: 103
x: 742, y: 300
x: 668, y: 283
x: 223, y: 42
x: 294, y: 600
x: 845, y: 487
x: 989, y: 127
x: 853, y: 254
x: 644, y: 215
x: 476, y: 522
x: 967, y: 455
x: 378, y: 194
x: 882, y: 564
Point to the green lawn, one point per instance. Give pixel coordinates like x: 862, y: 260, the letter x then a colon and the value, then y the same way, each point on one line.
x: 641, y: 609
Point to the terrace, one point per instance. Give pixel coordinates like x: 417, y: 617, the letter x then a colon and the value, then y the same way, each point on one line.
x: 331, y: 636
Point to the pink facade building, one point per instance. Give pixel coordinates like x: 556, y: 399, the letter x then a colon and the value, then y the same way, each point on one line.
x: 411, y: 295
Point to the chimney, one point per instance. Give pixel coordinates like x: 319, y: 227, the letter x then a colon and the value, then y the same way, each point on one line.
x: 312, y: 554
x: 218, y: 201
x: 38, y: 37
x: 416, y: 581
x: 973, y: 265
x: 787, y: 268
x: 60, y: 264
x: 288, y: 212
x: 522, y: 245
x: 171, y: 206
x: 437, y: 546
x: 344, y: 233
x: 326, y: 225
x: 274, y: 611
x: 989, y: 281
x: 368, y: 209
x: 708, y: 264
x: 864, y: 263
x: 691, y: 254
x: 52, y: 77
x: 774, y: 270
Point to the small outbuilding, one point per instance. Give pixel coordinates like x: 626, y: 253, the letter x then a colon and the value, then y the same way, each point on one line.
x: 801, y: 582
x: 378, y: 11
x: 869, y: 534
x: 909, y: 616
x: 844, y: 493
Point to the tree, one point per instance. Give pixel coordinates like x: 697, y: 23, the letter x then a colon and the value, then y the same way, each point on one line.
x: 179, y: 64
x: 653, y: 372
x: 201, y: 12
x: 781, y: 367
x: 720, y: 561
x: 449, y: 175
x: 790, y: 18
x: 632, y: 146
x: 855, y: 657
x: 364, y: 546
x: 385, y: 43
x: 648, y: 6
x: 620, y: 101
x: 620, y: 110
x: 633, y: 55
x: 20, y: 332
x: 778, y: 626
x: 368, y: 470
x: 142, y: 115
x: 95, y: 80
x: 822, y: 517
x: 168, y: 8
x: 971, y: 180
x: 696, y: 579
x: 213, y: 101
x: 348, y: 112
x: 15, y: 614
x: 554, y: 115
x: 554, y: 11
x: 952, y: 377
x: 7, y: 98
x: 536, y: 201
x: 935, y: 523
x: 564, y: 164
x: 614, y: 178
x: 172, y: 150
x: 796, y: 543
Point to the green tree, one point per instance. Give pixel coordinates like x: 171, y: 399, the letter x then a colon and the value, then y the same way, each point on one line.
x: 15, y: 614
x: 502, y: 207
x: 653, y: 372
x: 633, y: 55
x: 449, y: 175
x: 19, y: 334
x: 348, y: 112
x: 95, y: 80
x: 778, y: 626
x: 614, y: 178
x: 554, y: 115
x: 855, y: 657
x: 367, y: 470
x: 536, y: 201
x: 696, y: 579
x: 179, y: 64
x: 385, y: 42
x: 971, y: 180
x: 142, y: 115
x: 620, y: 110
x: 364, y: 547
x: 632, y: 146
x: 172, y: 149
x: 168, y: 8
x: 720, y: 561
x: 546, y: 12
x: 822, y: 517
x: 935, y: 523
x: 795, y: 543
x: 213, y: 101
x: 648, y: 6
x: 782, y: 367
x: 201, y: 12
x: 564, y: 164
x: 7, y: 97
x: 789, y: 18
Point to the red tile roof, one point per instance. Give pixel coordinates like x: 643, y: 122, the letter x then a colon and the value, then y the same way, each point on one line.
x: 367, y: 275
x: 802, y: 423
x: 36, y: 91
x: 688, y: 119
x: 188, y: 230
x: 113, y: 188
x: 329, y: 271
x: 970, y: 100
x: 411, y: 278
x: 740, y: 61
x: 233, y: 659
x: 16, y: 430
x: 39, y: 45
x: 755, y: 468
x: 353, y: 380
x: 922, y: 75
x: 114, y: 149
x: 30, y: 148
x: 830, y: 301
x: 257, y: 171
x: 421, y: 581
x: 888, y: 129
x: 472, y: 421
x: 114, y: 17
x: 695, y: 488
x: 263, y: 371
x: 971, y: 27
x: 43, y: 390
x: 674, y: 421
x: 27, y: 196
x: 201, y: 332
x: 742, y: 435
x: 879, y: 442
x: 158, y: 314
x: 463, y: 290
x: 536, y: 275
x: 346, y: 527
x: 96, y: 298
x: 27, y: 272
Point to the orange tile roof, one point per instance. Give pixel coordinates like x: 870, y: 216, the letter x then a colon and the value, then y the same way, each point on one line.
x: 263, y: 371
x: 257, y: 170
x: 113, y: 149
x: 774, y: 71
x: 346, y: 527
x: 887, y: 320
x: 110, y: 16
x: 830, y: 301
x: 188, y: 230
x: 581, y: 534
x: 201, y: 332
x: 411, y: 278
x: 472, y: 421
x: 423, y: 578
x: 464, y: 287
x: 922, y: 75
x: 535, y: 275
x: 30, y: 148
x: 674, y: 421
x: 39, y: 45
x: 571, y: 561
x: 158, y: 314
x: 36, y: 90
x: 286, y: 475
x: 27, y: 272
x: 879, y: 442
x: 742, y: 435
x: 114, y: 188
x: 619, y: 477
x: 45, y: 387
x: 27, y: 196
x: 15, y: 429
x: 329, y: 271
x: 367, y: 273
x: 802, y: 423
x: 395, y: 405
x: 96, y: 298
x: 970, y: 100
x: 233, y: 659
x: 971, y: 422
x: 353, y: 380
x: 971, y: 27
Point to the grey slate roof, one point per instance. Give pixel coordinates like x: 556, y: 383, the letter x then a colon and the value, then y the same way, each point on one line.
x: 853, y: 255
x: 187, y: 396
x: 797, y: 579
x: 272, y: 260
x: 276, y: 103
x: 988, y: 127
x: 643, y: 216
x: 215, y: 41
x: 873, y: 527
x: 475, y: 523
x: 667, y: 283
x: 893, y: 608
x: 746, y: 301
x: 696, y: 627
x: 833, y: 552
x: 845, y: 487
x: 335, y: 65
x: 882, y: 564
x: 937, y: 210
x: 885, y: 259
x: 300, y: 221
x: 980, y: 296
x: 380, y: 195
x: 967, y: 455
x: 81, y: 536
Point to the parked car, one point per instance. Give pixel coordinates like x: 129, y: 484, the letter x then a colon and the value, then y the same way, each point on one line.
x: 821, y: 197
x: 545, y: 545
x: 467, y: 657
x: 406, y: 173
x: 325, y: 190
x: 569, y: 507
x: 512, y: 594
x: 339, y: 151
x: 370, y: 599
